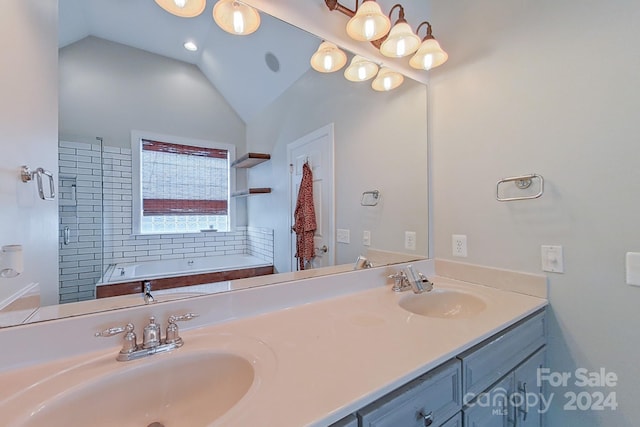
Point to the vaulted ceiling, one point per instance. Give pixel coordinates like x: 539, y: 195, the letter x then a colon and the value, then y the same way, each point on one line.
x: 249, y: 71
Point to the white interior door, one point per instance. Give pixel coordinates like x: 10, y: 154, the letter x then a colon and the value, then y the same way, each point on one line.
x: 317, y: 149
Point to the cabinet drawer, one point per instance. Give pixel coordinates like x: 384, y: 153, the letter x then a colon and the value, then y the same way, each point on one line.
x: 491, y: 360
x: 437, y: 393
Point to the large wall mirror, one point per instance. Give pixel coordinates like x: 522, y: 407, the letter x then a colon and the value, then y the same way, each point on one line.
x: 123, y: 67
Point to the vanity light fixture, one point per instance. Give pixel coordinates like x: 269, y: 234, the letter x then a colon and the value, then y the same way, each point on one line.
x: 360, y: 69
x: 368, y: 23
x: 328, y: 58
x: 183, y: 8
x: 232, y: 16
x: 387, y: 80
x: 401, y: 41
x: 235, y: 17
x: 429, y: 54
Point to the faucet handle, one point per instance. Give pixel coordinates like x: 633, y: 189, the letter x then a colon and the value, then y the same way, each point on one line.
x: 130, y: 340
x: 115, y: 331
x: 173, y: 334
x: 188, y: 316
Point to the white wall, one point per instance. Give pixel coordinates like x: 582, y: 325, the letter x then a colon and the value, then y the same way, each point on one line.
x: 548, y: 87
x: 380, y: 143
x: 28, y: 136
x: 108, y: 89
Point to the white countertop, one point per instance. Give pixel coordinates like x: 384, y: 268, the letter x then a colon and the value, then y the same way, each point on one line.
x: 332, y: 356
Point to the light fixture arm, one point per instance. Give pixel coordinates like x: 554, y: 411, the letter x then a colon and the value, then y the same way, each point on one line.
x: 335, y: 5
x: 429, y: 34
x: 400, y: 13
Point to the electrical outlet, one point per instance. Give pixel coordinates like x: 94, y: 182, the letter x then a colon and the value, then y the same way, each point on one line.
x: 343, y: 235
x: 459, y: 245
x: 410, y: 240
x: 366, y: 238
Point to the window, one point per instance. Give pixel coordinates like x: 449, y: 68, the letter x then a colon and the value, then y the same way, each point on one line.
x: 182, y: 186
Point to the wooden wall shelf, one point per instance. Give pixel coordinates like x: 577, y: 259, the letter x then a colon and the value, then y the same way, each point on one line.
x: 251, y: 191
x: 250, y: 160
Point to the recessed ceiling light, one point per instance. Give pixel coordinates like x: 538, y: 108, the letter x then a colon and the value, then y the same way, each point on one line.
x: 190, y: 46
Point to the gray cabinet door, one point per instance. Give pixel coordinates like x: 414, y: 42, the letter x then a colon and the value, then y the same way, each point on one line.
x: 491, y: 408
x: 526, y: 379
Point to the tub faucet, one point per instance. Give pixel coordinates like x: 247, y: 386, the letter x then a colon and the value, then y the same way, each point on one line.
x: 410, y: 279
x: 362, y: 262
x: 148, y: 298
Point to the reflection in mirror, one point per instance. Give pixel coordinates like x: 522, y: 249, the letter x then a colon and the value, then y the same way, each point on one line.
x: 123, y: 68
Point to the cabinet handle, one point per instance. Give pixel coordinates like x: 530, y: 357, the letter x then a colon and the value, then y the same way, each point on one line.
x: 523, y: 391
x: 428, y: 418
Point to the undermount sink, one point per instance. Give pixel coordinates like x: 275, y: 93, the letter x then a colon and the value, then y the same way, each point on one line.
x: 443, y: 303
x: 193, y: 389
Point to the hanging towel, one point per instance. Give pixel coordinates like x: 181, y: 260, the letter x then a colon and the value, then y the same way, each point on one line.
x: 305, y: 219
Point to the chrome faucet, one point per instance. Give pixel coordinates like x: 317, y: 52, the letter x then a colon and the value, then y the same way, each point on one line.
x: 148, y: 298
x: 412, y: 279
x: 152, y: 341
x: 362, y: 262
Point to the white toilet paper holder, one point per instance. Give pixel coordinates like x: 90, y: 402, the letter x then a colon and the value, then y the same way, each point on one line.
x: 11, y: 263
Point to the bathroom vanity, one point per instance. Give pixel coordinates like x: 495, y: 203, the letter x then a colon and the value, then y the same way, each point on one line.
x: 339, y: 350
x: 485, y: 386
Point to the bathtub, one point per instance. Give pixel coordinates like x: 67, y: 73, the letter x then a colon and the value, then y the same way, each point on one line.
x: 128, y: 278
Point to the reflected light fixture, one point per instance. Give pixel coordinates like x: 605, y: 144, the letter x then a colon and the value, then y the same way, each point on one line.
x: 401, y: 41
x: 360, y: 69
x: 235, y: 17
x: 190, y: 46
x: 328, y: 58
x: 429, y: 54
x: 368, y: 23
x: 387, y: 80
x: 183, y: 8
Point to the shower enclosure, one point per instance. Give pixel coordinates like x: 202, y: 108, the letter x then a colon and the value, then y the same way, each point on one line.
x: 80, y: 205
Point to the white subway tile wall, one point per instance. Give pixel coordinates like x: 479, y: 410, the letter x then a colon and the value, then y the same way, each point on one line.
x: 80, y: 210
x: 119, y: 245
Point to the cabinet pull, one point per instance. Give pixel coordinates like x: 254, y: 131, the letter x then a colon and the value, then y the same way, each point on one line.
x: 525, y: 411
x: 428, y: 418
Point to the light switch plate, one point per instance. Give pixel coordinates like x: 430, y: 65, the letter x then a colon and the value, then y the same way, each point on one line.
x: 343, y: 235
x: 366, y: 238
x: 552, y: 259
x: 633, y: 268
x: 410, y: 240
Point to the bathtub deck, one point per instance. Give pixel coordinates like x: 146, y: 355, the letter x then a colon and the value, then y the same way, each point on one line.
x: 135, y: 287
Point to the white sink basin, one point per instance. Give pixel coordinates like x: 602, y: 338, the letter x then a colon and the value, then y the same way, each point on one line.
x: 443, y: 303
x: 193, y: 389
